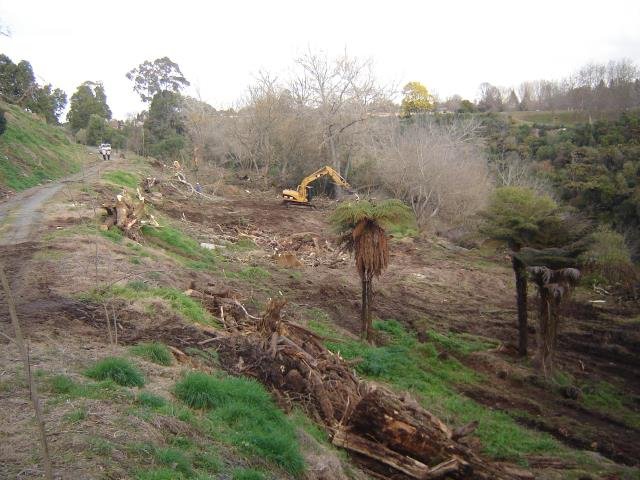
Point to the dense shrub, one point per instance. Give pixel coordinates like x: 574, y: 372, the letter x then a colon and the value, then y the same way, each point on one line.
x: 609, y: 258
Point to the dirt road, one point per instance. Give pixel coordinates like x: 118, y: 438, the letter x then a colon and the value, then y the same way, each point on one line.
x: 20, y: 215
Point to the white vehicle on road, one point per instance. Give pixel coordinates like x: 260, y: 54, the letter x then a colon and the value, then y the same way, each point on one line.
x: 105, y: 151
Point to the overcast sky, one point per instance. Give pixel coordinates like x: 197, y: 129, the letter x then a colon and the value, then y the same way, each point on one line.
x: 450, y: 46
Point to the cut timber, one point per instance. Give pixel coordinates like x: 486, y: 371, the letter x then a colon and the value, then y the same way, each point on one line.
x: 365, y: 447
x: 402, y: 426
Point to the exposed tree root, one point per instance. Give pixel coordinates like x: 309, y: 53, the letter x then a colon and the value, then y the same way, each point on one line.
x: 391, y: 436
x: 128, y: 214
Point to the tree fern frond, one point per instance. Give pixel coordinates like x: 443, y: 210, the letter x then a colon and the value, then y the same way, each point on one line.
x: 569, y: 275
x: 540, y: 275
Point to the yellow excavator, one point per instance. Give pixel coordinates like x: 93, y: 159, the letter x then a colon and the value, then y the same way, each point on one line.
x: 302, y: 195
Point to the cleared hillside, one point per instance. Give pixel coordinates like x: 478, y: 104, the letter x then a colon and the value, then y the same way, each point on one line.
x: 32, y: 151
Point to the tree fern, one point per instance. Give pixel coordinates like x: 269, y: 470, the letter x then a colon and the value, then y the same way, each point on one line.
x: 361, y: 229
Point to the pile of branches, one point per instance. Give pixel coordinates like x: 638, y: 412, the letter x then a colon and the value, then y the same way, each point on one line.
x: 128, y: 214
x: 307, y: 247
x: 391, y: 436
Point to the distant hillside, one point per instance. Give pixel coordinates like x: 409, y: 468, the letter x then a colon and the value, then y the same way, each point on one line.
x: 32, y: 151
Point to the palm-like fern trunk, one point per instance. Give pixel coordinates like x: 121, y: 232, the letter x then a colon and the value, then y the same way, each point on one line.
x: 365, y: 315
x: 520, y: 271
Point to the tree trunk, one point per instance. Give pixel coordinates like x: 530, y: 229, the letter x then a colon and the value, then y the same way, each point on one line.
x: 543, y: 329
x: 520, y: 271
x: 365, y: 315
x: 548, y: 334
x: 335, y: 162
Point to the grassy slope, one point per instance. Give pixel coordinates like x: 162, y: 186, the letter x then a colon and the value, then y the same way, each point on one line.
x: 402, y: 362
x: 32, y: 151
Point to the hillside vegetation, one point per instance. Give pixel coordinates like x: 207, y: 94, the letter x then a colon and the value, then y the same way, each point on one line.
x: 32, y: 151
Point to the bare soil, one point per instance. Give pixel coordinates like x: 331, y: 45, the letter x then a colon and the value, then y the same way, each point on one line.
x: 430, y: 285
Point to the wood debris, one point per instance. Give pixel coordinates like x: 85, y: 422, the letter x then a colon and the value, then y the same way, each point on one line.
x: 128, y: 214
x: 389, y: 435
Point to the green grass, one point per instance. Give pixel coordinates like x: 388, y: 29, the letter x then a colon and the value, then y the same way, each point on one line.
x: 407, y: 364
x: 100, y: 446
x: 114, y: 234
x: 182, y: 247
x: 155, y: 352
x: 208, y: 460
x: 120, y: 370
x: 177, y: 241
x: 251, y: 274
x: 241, y: 412
x: 174, y: 459
x: 462, y: 343
x: 299, y: 418
x: 243, y: 245
x: 185, y: 306
x: 64, y: 387
x: 122, y: 178
x: 31, y: 151
x: 76, y: 416
x: 607, y: 398
x: 247, y: 474
x: 318, y: 321
x: 150, y: 400
x: 159, y: 474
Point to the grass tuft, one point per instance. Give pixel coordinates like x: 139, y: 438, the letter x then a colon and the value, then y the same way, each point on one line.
x: 175, y: 241
x: 114, y: 234
x: 62, y: 385
x: 76, y: 416
x: 150, y: 400
x: 159, y: 474
x: 136, y: 290
x: 243, y: 413
x: 247, y: 474
x: 176, y: 460
x: 122, y: 178
x: 208, y: 460
x: 118, y: 369
x: 155, y: 352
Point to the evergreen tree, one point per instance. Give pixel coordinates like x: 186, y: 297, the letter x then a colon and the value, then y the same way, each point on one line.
x: 89, y: 99
x: 165, y: 125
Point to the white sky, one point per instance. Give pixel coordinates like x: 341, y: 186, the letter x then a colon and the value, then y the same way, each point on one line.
x: 450, y: 46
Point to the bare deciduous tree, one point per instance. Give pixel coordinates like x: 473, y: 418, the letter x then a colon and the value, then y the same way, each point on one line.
x: 440, y: 170
x: 343, y: 92
x: 513, y: 171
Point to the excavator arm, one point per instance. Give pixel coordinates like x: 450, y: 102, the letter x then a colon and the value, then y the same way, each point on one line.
x: 300, y: 195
